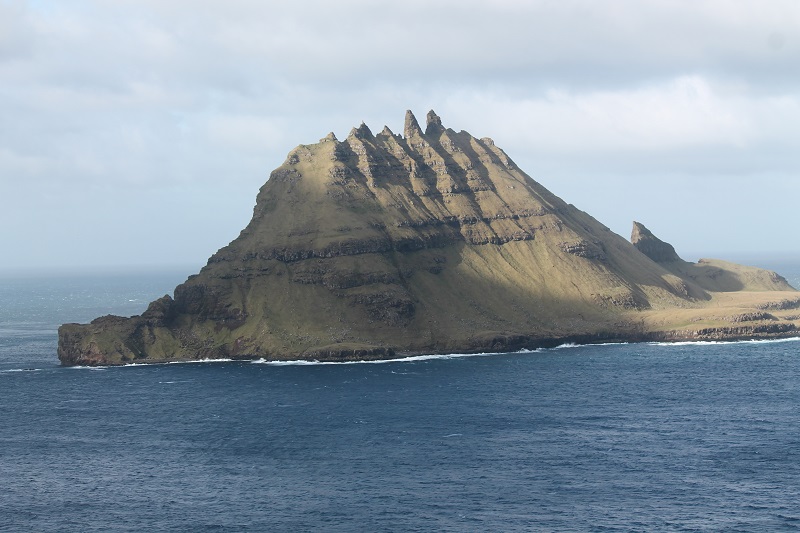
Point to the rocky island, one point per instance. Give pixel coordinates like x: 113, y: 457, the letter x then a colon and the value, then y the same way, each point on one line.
x: 433, y: 241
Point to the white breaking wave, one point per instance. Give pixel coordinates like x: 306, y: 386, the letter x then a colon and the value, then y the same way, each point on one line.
x: 130, y: 365
x: 189, y: 362
x: 708, y: 343
x: 427, y: 357
x: 430, y: 357
x: 574, y: 345
x: 411, y: 358
x: 199, y: 361
x: 567, y: 345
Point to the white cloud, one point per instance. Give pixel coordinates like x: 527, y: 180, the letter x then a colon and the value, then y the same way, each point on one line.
x: 168, y: 97
x: 688, y: 112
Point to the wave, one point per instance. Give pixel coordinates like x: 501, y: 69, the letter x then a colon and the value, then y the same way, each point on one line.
x: 193, y: 361
x: 428, y: 357
x: 709, y: 343
x: 159, y: 363
x: 568, y: 345
x: 575, y: 345
x: 188, y: 362
x: 431, y: 357
x: 425, y: 357
x: 9, y: 370
x: 411, y: 358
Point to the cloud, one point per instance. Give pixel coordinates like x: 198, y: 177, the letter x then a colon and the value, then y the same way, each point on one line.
x: 16, y: 32
x: 683, y: 112
x: 689, y: 115
x: 167, y: 98
x: 241, y: 43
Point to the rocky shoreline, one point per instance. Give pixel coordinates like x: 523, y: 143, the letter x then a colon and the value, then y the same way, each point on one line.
x: 499, y: 344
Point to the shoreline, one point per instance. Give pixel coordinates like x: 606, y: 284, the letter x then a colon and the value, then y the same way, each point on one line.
x: 762, y: 333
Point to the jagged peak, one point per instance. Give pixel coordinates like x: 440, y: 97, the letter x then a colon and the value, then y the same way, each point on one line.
x: 651, y: 246
x: 331, y: 137
x: 361, y: 132
x: 433, y: 123
x: 411, y: 126
x: 640, y: 232
x: 386, y: 131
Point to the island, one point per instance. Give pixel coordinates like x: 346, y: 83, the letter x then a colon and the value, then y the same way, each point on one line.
x: 387, y: 245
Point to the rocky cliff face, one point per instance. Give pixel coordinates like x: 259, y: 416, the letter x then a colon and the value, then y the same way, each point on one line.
x: 381, y: 245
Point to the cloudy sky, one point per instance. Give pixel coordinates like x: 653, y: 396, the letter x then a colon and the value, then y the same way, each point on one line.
x: 136, y: 133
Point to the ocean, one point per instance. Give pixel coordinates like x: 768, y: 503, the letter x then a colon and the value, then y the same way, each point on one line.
x: 625, y: 437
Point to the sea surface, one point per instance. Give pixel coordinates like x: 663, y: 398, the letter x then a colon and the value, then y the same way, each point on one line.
x: 626, y: 437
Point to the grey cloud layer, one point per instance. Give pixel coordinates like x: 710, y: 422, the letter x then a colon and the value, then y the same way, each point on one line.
x: 174, y: 99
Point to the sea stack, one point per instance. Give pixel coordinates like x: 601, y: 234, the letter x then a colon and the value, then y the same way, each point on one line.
x: 380, y: 246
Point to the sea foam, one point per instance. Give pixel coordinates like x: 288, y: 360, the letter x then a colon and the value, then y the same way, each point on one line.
x: 431, y: 357
x: 412, y: 358
x: 709, y: 343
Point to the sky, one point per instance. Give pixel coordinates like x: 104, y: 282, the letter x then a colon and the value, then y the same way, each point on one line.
x: 136, y: 133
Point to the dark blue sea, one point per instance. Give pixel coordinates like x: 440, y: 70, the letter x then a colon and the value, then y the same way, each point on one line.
x: 632, y: 437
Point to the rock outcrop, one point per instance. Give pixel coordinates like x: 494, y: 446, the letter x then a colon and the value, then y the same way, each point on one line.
x: 651, y: 246
x: 711, y: 275
x: 384, y: 245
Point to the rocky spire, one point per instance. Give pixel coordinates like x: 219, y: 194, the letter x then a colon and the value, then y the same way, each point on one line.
x: 361, y: 132
x: 433, y: 123
x: 411, y: 126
